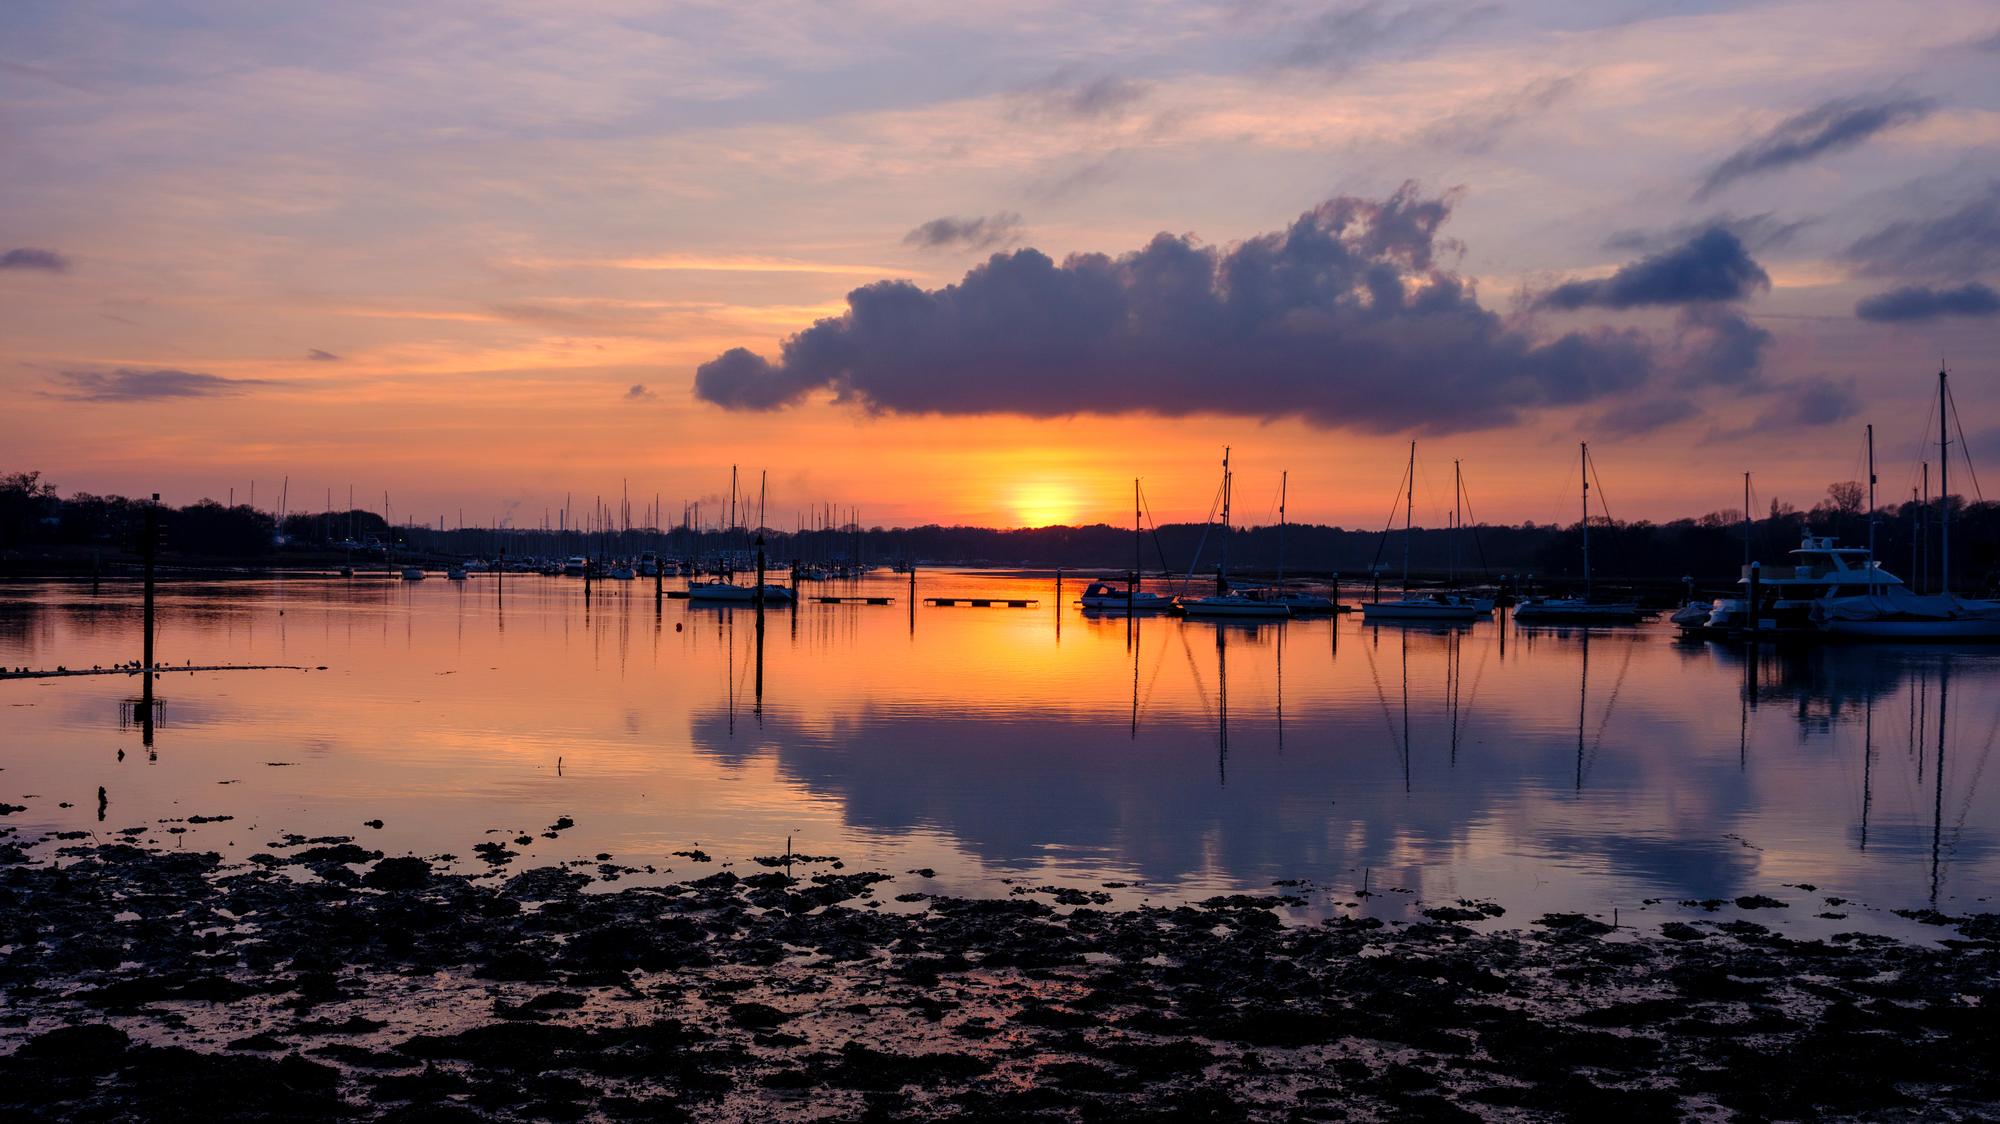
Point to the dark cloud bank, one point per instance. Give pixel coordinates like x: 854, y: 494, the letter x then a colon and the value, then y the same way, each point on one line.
x: 1345, y: 318
x: 1711, y: 266
x: 1831, y: 126
x: 1921, y: 302
x: 25, y: 257
x: 128, y: 385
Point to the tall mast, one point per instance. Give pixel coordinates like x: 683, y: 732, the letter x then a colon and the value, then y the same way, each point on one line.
x: 1409, y: 510
x: 1944, y: 492
x: 1586, y: 518
x: 1746, y: 522
x: 1222, y: 570
x: 1457, y: 518
x: 1871, y: 507
x: 1284, y: 481
x: 1137, y: 565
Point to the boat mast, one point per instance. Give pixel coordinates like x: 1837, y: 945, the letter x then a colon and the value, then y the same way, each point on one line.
x: 1222, y: 567
x: 1871, y: 507
x: 1409, y: 507
x: 1284, y: 480
x: 1944, y: 492
x: 1138, y: 565
x: 1746, y: 522
x: 1586, y: 518
x: 1457, y: 519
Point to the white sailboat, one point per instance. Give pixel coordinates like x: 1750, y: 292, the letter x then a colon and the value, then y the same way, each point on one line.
x: 1300, y: 601
x: 1106, y: 597
x: 1578, y: 610
x: 1892, y: 612
x: 1225, y: 602
x: 1436, y: 607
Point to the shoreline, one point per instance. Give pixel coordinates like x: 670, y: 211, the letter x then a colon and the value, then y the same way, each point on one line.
x: 324, y: 980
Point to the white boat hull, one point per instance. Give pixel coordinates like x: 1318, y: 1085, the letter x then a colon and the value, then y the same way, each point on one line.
x: 724, y: 593
x: 1235, y: 607
x: 1419, y: 611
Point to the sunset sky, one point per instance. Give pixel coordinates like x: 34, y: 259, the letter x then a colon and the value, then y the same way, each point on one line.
x: 476, y: 254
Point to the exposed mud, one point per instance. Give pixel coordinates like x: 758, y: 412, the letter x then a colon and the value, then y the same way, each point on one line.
x: 331, y: 982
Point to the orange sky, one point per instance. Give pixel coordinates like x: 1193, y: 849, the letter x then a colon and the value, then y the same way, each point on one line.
x: 515, y: 238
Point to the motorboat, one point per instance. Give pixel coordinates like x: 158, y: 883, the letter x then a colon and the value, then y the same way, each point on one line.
x: 1893, y: 612
x: 620, y: 573
x: 413, y: 573
x: 1822, y: 569
x: 649, y: 565
x: 456, y: 573
x: 576, y: 566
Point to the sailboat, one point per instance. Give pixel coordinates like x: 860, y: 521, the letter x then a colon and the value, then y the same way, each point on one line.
x: 725, y: 592
x: 1223, y: 602
x: 1892, y: 612
x: 1443, y: 607
x: 1105, y: 596
x: 1578, y: 610
x: 1300, y: 602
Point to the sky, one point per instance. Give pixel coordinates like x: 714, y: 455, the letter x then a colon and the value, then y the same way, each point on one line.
x: 988, y: 264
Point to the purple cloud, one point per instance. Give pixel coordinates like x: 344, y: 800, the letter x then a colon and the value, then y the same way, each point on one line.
x: 126, y: 384
x: 1921, y: 302
x: 1830, y: 126
x: 27, y: 258
x: 1344, y: 318
x: 1710, y: 266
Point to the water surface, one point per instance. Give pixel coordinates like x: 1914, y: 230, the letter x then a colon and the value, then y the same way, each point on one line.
x: 1005, y: 749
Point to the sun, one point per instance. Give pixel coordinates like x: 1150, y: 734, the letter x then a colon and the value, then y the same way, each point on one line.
x: 1043, y: 503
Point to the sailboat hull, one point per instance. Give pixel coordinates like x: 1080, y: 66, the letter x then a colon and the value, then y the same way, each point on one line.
x: 1419, y: 611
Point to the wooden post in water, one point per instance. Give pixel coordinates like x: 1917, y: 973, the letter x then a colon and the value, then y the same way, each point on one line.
x: 149, y: 549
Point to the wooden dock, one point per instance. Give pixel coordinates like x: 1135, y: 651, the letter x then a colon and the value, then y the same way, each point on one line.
x: 830, y: 599
x: 985, y: 602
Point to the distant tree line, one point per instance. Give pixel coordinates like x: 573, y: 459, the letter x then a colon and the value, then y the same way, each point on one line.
x: 1709, y: 548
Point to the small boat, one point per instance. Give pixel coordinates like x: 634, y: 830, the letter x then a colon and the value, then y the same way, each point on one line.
x: 1429, y: 607
x: 1303, y: 603
x: 413, y: 573
x: 729, y: 593
x: 1575, y: 610
x: 1247, y: 604
x: 577, y: 566
x: 1104, y: 595
x: 1226, y: 601
x: 1424, y: 607
x: 620, y: 573
x: 649, y: 565
x: 1578, y: 610
x: 456, y: 573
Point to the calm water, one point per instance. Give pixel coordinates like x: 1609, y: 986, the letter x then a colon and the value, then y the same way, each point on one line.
x: 1542, y: 769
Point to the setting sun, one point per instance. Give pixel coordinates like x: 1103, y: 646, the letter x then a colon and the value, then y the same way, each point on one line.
x: 1043, y: 503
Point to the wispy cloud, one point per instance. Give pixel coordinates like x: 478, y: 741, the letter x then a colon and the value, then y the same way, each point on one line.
x: 1476, y: 129
x: 1072, y: 94
x: 1810, y: 402
x: 639, y: 393
x: 1921, y: 302
x: 1831, y: 126
x: 978, y: 233
x: 127, y: 384
x: 321, y: 356
x: 744, y: 263
x: 1346, y: 35
x: 1960, y: 243
x: 25, y: 257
